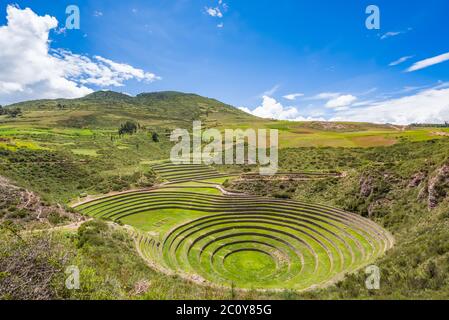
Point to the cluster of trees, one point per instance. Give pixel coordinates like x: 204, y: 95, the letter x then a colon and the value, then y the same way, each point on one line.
x: 431, y: 125
x: 130, y: 127
x: 12, y: 112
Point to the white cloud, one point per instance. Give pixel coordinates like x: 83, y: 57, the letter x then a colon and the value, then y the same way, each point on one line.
x: 220, y: 25
x: 362, y: 103
x: 367, y: 92
x: 98, y: 14
x: 293, y: 96
x: 217, y: 11
x: 270, y: 91
x: 214, y: 12
x: 272, y: 109
x: 429, y: 106
x: 100, y: 71
x: 325, y: 96
x: 247, y: 110
x: 400, y: 60
x: 29, y: 69
x: 442, y: 85
x: 390, y: 34
x: 336, y: 100
x: 394, y: 33
x: 429, y: 62
x: 341, y: 102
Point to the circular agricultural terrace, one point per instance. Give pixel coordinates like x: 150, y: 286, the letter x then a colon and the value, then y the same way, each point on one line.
x: 249, y: 242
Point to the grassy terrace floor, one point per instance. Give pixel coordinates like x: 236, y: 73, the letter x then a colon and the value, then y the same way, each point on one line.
x: 194, y: 230
x: 186, y: 172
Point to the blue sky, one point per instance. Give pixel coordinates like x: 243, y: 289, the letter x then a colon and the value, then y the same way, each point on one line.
x: 252, y: 54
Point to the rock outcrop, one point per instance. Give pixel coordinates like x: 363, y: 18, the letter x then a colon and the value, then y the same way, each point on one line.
x: 438, y: 187
x: 18, y: 204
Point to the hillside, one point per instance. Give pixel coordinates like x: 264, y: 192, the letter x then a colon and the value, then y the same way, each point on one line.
x: 107, y: 109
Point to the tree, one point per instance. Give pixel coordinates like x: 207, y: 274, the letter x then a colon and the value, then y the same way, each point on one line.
x: 14, y: 113
x: 2, y: 111
x: 128, y: 127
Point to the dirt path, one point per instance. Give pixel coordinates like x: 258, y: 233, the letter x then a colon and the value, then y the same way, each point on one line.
x: 440, y: 133
x: 68, y: 227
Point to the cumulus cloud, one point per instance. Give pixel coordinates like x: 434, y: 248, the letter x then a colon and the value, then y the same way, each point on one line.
x: 100, y: 71
x: 293, y: 96
x: 272, y: 109
x: 29, y: 69
x: 428, y: 106
x: 400, y: 60
x: 340, y: 102
x: 429, y: 62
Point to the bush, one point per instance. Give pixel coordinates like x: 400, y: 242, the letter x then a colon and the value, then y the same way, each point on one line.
x: 282, y: 195
x: 55, y: 218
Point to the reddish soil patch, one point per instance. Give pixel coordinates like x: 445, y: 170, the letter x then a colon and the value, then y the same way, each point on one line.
x: 373, y: 141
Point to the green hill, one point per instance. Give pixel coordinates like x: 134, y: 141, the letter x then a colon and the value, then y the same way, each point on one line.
x: 108, y: 109
x: 167, y: 110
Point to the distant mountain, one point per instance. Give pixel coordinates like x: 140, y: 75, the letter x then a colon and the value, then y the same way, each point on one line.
x: 109, y: 108
x: 107, y: 95
x: 166, y: 109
